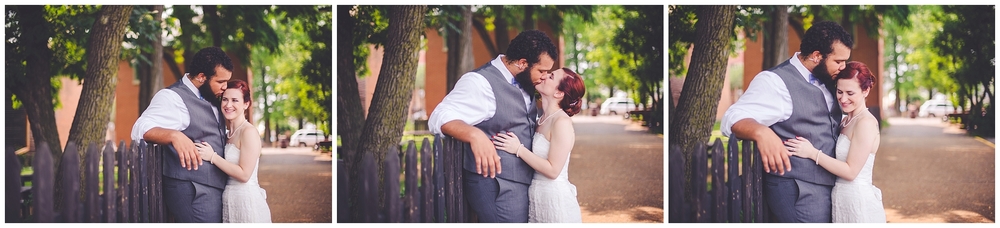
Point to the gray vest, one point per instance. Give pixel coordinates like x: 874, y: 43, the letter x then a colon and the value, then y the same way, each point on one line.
x: 203, y: 128
x: 512, y: 116
x: 810, y: 119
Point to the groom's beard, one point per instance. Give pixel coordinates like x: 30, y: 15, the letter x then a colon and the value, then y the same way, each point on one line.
x: 208, y: 95
x: 822, y: 73
x: 524, y: 80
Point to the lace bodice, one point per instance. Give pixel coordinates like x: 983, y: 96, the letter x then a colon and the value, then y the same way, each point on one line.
x: 541, y: 148
x: 865, y: 176
x: 233, y: 156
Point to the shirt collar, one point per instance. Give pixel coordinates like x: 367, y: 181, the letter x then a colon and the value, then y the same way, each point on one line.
x: 187, y: 82
x: 798, y: 66
x: 499, y: 64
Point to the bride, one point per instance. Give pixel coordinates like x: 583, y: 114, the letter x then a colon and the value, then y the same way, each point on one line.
x: 854, y: 197
x: 551, y: 197
x: 243, y: 200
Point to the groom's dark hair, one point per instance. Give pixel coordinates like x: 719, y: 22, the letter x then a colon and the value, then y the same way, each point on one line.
x: 529, y: 45
x: 821, y: 36
x: 205, y: 61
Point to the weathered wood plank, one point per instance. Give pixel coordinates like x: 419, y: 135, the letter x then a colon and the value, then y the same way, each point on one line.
x: 720, y: 195
x: 70, y: 180
x: 92, y: 214
x: 393, y: 204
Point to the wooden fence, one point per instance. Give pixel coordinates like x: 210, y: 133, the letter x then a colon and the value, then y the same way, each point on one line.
x: 122, y: 186
x: 735, y: 193
x: 432, y: 192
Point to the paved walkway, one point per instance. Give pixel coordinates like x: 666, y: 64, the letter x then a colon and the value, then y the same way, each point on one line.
x: 931, y: 172
x: 617, y: 168
x: 299, y: 184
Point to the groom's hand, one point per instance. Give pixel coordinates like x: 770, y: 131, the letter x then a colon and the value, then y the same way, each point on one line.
x: 487, y: 159
x: 186, y: 151
x: 773, y: 153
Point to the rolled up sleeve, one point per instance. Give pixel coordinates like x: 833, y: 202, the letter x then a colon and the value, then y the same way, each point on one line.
x: 766, y: 101
x: 166, y: 110
x: 471, y: 101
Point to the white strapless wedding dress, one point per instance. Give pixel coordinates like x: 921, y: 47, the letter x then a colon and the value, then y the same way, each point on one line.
x: 244, y: 202
x: 551, y: 201
x: 856, y: 201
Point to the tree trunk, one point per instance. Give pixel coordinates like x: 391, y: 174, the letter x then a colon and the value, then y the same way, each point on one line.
x: 485, y: 36
x: 500, y: 28
x: 529, y: 21
x: 460, y: 59
x: 387, y: 115
x: 266, y: 116
x: 94, y: 110
x: 350, y: 114
x: 212, y: 24
x: 845, y: 20
x: 151, y: 75
x: 695, y: 113
x: 776, y: 37
x: 35, y: 89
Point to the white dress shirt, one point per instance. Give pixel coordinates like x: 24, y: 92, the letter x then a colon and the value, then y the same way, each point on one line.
x: 166, y: 110
x: 472, y: 100
x: 767, y: 100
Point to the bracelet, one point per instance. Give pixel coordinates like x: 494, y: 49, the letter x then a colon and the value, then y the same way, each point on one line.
x: 518, y: 151
x: 817, y: 157
x: 212, y: 160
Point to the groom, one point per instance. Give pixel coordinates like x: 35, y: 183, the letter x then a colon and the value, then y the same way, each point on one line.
x: 789, y: 100
x: 180, y: 115
x: 497, y: 97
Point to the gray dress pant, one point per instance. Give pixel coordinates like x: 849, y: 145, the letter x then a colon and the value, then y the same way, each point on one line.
x: 191, y: 202
x: 793, y: 200
x: 496, y: 200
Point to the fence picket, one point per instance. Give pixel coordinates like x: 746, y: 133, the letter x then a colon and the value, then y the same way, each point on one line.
x: 412, y: 207
x: 70, y: 166
x: 720, y: 194
x: 735, y: 194
x: 439, y: 208
x: 426, y: 184
x: 679, y: 208
x: 394, y: 208
x: 43, y: 185
x: 13, y: 190
x: 91, y: 185
x: 747, y: 184
x: 735, y: 183
x: 110, y: 196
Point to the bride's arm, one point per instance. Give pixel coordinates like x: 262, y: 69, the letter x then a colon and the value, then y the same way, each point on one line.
x: 862, y: 144
x: 561, y: 144
x: 249, y: 153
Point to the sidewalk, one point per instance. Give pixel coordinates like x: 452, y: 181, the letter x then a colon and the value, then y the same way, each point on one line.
x: 932, y: 172
x: 617, y: 167
x: 299, y: 184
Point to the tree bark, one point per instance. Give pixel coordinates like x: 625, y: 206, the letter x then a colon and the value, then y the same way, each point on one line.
x: 386, y: 117
x: 94, y: 110
x: 151, y: 75
x: 776, y: 38
x: 350, y: 114
x: 695, y: 113
x: 35, y: 89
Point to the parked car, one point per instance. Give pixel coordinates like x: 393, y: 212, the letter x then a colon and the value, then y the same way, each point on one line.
x: 936, y: 108
x: 617, y: 106
x: 307, y: 137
